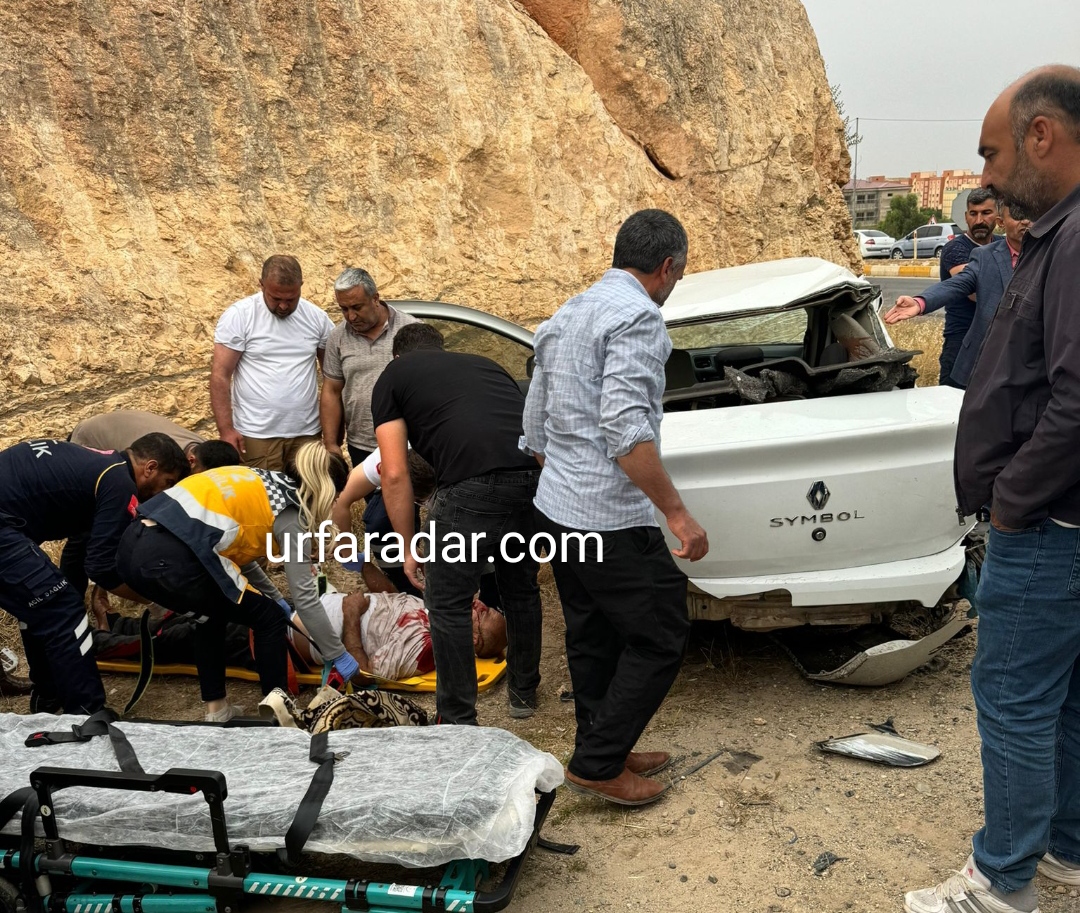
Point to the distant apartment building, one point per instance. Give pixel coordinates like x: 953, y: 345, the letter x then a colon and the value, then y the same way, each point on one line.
x: 872, y: 198
x: 938, y: 192
x: 954, y: 183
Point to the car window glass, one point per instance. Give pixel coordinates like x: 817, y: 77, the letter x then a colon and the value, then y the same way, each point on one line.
x: 786, y: 327
x: 924, y: 232
x: 472, y: 340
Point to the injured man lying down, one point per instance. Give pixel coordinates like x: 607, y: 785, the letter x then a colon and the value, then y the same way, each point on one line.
x: 388, y: 632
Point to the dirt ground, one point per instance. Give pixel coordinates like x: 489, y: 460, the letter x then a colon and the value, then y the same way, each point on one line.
x: 744, y: 832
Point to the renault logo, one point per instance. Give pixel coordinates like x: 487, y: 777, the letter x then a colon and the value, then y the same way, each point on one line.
x: 818, y: 495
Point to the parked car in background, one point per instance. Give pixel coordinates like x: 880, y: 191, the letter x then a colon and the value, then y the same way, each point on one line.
x: 931, y: 241
x: 796, y: 436
x: 873, y: 243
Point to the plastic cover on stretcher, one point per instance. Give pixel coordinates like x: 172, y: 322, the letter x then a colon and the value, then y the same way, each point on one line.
x: 413, y: 796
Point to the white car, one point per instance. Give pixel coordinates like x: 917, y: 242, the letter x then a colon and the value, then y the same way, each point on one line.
x: 795, y: 433
x: 873, y: 243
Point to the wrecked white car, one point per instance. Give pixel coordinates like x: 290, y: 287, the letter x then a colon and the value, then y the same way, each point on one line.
x: 795, y: 433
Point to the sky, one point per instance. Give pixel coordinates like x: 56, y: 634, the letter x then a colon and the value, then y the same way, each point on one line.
x: 934, y: 61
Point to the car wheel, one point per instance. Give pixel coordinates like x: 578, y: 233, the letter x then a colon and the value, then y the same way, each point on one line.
x: 897, y: 254
x: 937, y: 253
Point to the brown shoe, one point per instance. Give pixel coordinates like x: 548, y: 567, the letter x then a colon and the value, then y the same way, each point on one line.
x: 647, y: 763
x: 12, y: 685
x: 626, y: 789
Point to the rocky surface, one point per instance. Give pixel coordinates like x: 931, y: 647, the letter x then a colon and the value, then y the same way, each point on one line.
x: 152, y: 154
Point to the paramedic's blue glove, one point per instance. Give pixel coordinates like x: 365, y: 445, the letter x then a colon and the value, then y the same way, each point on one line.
x: 288, y: 608
x: 346, y: 666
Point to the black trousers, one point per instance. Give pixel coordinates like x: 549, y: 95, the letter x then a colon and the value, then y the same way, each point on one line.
x: 55, y: 630
x: 950, y: 348
x: 626, y: 632
x: 158, y: 565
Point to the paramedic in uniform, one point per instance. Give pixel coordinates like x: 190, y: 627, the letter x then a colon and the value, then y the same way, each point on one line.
x: 51, y: 490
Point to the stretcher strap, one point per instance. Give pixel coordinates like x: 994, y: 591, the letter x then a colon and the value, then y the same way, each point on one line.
x: 146, y: 661
x: 308, y: 813
x: 100, y: 723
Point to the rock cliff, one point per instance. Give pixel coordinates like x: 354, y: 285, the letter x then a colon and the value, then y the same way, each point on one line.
x: 152, y: 154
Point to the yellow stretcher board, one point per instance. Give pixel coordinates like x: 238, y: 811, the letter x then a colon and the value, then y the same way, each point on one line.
x: 488, y: 673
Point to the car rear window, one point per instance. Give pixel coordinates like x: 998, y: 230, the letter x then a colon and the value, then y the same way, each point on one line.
x: 874, y: 234
x: 785, y: 327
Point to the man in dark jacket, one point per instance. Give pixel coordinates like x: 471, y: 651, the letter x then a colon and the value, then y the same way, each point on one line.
x: 51, y: 490
x: 1018, y: 450
x: 986, y: 275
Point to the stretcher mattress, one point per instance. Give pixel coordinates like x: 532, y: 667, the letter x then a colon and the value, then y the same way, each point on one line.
x: 413, y: 796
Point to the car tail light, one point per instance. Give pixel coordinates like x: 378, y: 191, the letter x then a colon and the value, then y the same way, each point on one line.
x: 869, y: 241
x: 951, y: 237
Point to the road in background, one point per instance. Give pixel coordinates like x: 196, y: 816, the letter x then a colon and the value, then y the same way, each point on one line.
x: 891, y: 289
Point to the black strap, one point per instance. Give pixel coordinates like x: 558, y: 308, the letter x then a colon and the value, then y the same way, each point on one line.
x: 100, y: 723
x: 308, y: 813
x: 12, y: 804
x: 292, y: 650
x: 146, y: 661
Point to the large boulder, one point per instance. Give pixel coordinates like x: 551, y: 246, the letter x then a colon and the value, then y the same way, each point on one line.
x: 152, y: 154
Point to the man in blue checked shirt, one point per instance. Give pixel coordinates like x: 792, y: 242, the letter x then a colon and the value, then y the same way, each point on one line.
x: 592, y: 419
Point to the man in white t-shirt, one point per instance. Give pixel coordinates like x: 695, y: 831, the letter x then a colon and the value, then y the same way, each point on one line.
x: 263, y: 383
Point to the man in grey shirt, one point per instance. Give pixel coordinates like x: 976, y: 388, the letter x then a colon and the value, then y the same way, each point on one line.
x: 592, y: 419
x: 356, y: 353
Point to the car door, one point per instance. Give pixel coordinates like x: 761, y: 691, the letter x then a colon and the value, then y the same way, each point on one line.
x: 476, y: 333
x: 924, y: 239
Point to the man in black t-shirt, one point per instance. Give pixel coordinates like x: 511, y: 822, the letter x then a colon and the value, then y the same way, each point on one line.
x: 462, y: 413
x: 52, y: 490
x: 982, y: 218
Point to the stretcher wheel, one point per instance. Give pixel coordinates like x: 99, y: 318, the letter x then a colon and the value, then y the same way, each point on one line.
x: 10, y: 900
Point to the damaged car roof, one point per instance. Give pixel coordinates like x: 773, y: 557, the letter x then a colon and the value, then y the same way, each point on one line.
x: 756, y: 287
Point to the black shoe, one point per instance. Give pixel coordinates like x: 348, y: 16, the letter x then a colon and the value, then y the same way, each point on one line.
x: 40, y: 704
x: 522, y: 706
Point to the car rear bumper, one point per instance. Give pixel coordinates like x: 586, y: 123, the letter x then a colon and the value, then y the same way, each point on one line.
x: 922, y: 580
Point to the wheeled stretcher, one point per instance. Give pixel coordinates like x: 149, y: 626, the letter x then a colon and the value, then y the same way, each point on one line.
x: 175, y: 818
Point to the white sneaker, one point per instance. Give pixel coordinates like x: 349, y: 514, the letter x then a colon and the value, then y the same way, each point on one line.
x: 225, y: 714
x: 969, y: 891
x: 1060, y: 872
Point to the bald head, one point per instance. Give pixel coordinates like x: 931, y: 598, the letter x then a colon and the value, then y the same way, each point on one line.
x: 1052, y: 92
x: 1030, y: 140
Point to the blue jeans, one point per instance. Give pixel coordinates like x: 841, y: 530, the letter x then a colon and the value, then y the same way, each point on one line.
x: 1026, y: 683
x: 489, y: 506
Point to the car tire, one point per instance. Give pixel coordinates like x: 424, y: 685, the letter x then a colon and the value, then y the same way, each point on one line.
x: 937, y: 253
x: 897, y: 254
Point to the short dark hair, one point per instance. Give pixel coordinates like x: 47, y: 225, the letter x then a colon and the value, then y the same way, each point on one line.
x: 415, y: 336
x: 647, y: 239
x: 1055, y: 93
x: 981, y: 195
x: 284, y: 269
x: 161, y: 447
x: 214, y: 454
x: 422, y: 476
